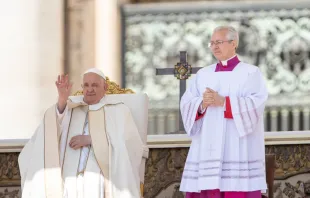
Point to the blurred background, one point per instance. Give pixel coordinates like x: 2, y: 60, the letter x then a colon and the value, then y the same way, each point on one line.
x: 129, y: 39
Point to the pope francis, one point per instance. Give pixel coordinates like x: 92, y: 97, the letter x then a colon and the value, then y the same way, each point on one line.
x: 86, y: 146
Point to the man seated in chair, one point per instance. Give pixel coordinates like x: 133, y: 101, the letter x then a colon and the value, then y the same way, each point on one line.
x: 87, y: 146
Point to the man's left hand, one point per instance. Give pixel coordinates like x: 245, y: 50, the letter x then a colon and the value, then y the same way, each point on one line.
x: 217, y: 99
x: 79, y: 141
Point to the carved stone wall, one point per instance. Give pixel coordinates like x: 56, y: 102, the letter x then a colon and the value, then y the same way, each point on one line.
x: 9, y: 176
x: 164, y: 170
x: 292, y: 176
x: 273, y: 36
x: 10, y: 192
x: 9, y: 170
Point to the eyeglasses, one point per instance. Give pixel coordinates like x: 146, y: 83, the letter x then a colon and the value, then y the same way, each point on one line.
x: 216, y: 43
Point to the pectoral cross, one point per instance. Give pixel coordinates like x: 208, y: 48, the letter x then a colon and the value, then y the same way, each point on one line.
x: 182, y: 71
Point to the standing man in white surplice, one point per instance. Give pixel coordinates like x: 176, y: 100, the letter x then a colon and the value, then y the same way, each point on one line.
x: 222, y: 112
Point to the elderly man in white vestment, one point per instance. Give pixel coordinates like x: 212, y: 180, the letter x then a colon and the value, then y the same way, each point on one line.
x: 86, y: 147
x: 222, y: 111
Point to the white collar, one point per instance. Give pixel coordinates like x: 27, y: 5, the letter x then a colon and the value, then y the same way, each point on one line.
x: 224, y: 63
x: 94, y: 107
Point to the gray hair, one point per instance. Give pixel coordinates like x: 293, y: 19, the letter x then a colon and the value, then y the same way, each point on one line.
x: 232, y: 33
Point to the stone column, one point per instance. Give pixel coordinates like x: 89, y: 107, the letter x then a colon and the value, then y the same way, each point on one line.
x: 80, y: 39
x: 108, y: 38
x: 94, y: 38
x: 31, y: 57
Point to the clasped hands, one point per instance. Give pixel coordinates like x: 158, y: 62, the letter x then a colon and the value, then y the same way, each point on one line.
x: 80, y: 141
x: 212, y: 98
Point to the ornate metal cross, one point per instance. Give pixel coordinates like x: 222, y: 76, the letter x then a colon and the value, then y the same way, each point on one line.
x: 181, y: 71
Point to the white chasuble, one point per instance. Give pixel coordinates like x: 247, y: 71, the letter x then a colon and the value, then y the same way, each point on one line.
x: 110, y: 166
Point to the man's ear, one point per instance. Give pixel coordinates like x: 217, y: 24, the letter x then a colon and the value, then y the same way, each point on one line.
x: 106, y: 86
x: 235, y: 44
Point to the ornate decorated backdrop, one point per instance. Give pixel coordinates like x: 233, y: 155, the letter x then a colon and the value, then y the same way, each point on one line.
x: 292, y: 175
x: 275, y: 36
x: 164, y: 170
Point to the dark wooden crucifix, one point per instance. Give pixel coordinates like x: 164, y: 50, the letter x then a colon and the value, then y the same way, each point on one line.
x: 181, y: 71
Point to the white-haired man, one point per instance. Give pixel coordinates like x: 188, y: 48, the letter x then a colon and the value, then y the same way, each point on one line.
x: 222, y: 111
x: 86, y: 146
